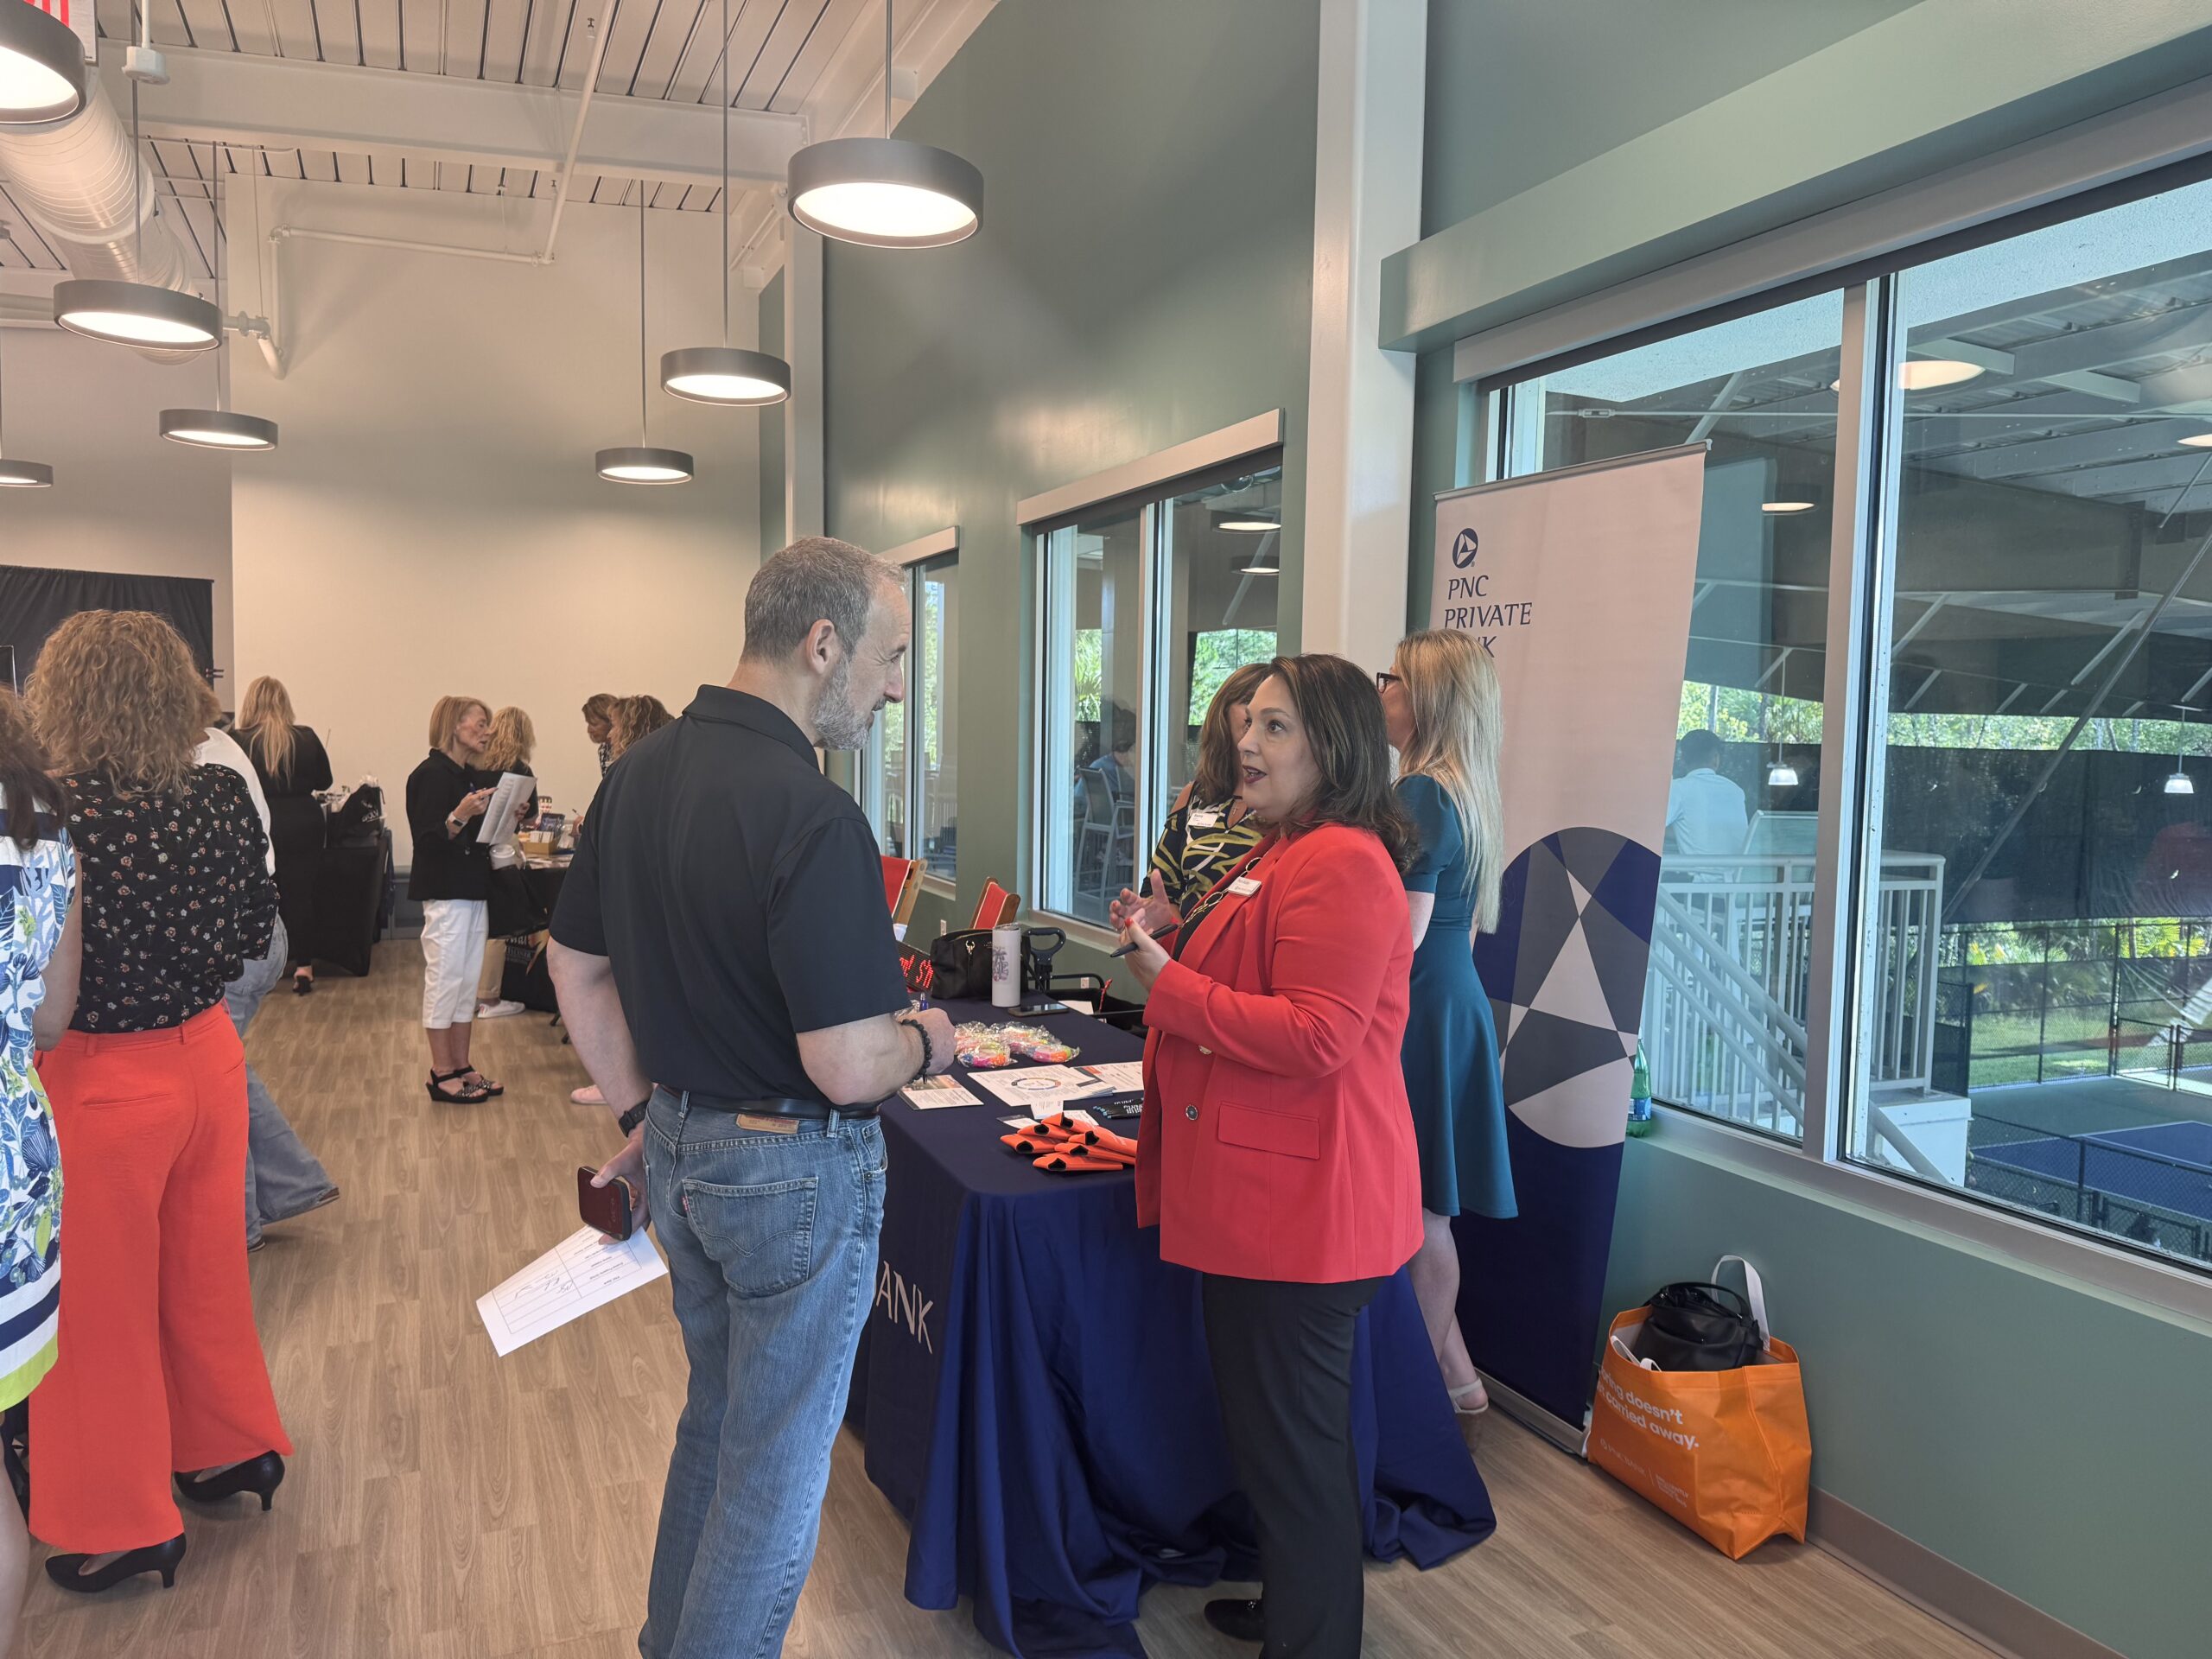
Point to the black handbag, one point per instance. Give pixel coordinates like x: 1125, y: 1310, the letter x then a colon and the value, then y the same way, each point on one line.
x: 513, y: 908
x: 1699, y: 1327
x: 960, y: 965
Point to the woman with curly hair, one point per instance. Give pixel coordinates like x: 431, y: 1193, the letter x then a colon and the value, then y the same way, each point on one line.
x: 161, y: 1374
x: 38, y: 993
x: 632, y: 720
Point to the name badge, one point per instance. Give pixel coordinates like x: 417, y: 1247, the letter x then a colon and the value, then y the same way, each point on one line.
x: 1207, y: 820
x: 1245, y: 885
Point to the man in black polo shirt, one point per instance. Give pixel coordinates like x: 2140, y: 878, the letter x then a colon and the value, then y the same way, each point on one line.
x: 724, y: 958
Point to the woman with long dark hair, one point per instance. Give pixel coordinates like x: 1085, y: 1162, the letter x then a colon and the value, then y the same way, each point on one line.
x: 1209, y: 827
x: 1276, y: 1155
x: 294, y: 769
x: 38, y: 993
x: 1441, y: 708
x: 161, y: 1374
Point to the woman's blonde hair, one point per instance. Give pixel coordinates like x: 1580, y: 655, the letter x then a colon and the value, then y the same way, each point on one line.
x: 1458, y: 725
x: 266, y: 726
x: 514, y: 740
x: 446, y: 716
x: 117, y: 692
x: 635, y: 718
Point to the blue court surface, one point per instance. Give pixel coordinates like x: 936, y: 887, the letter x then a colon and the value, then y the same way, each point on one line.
x: 2167, y: 1165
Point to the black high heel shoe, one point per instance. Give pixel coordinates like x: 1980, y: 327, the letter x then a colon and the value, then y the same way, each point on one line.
x: 261, y: 1475
x: 161, y: 1558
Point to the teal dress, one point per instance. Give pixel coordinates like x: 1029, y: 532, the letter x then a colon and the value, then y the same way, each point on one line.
x: 1451, y: 1047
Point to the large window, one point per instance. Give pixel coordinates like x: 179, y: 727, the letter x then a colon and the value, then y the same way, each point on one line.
x: 2035, y: 964
x: 912, y: 777
x: 1145, y: 608
x: 1725, y: 996
x: 1943, y: 911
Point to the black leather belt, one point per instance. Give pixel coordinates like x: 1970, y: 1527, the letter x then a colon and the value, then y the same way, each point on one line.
x: 779, y: 1107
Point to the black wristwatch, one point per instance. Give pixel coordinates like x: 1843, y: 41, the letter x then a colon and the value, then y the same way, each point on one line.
x: 929, y: 1054
x: 629, y: 1121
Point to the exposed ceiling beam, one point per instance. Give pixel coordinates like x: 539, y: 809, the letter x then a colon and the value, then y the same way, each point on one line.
x: 285, y: 104
x: 2110, y: 387
x: 2181, y: 329
x: 2135, y: 440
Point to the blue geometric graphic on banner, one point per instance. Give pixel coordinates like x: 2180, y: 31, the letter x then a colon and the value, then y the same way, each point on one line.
x: 1565, y: 966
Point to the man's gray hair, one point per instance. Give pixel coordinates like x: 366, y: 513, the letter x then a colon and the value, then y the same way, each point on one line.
x: 816, y: 578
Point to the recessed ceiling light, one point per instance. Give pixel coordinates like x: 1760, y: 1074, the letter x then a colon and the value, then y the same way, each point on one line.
x: 1253, y: 523
x: 1787, y: 506
x: 1262, y: 571
x: 2198, y: 441
x: 1926, y: 373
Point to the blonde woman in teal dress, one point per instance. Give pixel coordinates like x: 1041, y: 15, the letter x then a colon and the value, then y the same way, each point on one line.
x: 38, y: 994
x: 1440, y: 710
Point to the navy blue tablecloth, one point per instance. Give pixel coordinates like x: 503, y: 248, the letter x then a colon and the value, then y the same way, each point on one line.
x: 1034, y: 1386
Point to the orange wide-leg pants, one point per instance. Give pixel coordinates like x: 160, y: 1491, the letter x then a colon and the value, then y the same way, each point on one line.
x: 159, y: 1366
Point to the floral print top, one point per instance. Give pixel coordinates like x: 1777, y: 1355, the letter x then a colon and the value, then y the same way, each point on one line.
x: 37, y: 884
x: 178, y: 898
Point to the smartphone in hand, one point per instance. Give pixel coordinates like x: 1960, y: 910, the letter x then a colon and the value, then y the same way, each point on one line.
x: 610, y: 1208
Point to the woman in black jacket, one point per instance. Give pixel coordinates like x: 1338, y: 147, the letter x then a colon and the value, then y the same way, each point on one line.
x: 294, y: 769
x: 451, y: 874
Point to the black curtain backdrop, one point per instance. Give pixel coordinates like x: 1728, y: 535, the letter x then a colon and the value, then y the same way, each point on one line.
x: 34, y: 602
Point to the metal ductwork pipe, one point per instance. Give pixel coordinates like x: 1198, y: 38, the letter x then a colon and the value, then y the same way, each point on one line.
x: 74, y: 181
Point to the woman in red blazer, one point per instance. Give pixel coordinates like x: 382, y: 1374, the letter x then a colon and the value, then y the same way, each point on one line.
x: 1277, y: 1155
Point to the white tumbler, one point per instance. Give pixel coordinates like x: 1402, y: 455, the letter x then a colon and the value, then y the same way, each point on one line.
x: 1006, y: 967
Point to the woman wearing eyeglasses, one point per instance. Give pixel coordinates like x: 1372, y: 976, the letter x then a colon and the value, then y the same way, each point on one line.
x: 1441, y: 706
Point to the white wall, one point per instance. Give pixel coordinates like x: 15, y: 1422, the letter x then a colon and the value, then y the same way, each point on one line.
x: 122, y: 499
x: 432, y: 523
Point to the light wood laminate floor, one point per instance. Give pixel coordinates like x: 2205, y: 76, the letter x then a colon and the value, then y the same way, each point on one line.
x: 449, y: 1504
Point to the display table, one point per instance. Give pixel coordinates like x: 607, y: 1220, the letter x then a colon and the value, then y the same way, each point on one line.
x: 1033, y: 1386
x: 349, y: 895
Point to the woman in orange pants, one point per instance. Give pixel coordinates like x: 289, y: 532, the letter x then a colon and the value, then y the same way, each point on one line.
x: 160, y: 1373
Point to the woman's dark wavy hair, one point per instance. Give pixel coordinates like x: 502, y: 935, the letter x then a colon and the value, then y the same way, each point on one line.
x: 25, y: 778
x: 1343, y: 716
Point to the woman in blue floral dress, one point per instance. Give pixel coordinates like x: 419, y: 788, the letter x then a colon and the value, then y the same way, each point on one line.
x: 38, y: 993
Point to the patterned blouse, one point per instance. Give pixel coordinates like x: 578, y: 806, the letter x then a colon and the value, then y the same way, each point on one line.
x: 36, y: 886
x: 178, y: 898
x: 1198, y: 845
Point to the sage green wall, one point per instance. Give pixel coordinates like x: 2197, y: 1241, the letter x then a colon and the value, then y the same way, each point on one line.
x: 1143, y: 275
x: 2036, y: 1432
x: 772, y: 424
x: 2044, y: 1435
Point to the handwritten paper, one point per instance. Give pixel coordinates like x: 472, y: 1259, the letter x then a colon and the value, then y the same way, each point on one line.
x: 584, y: 1271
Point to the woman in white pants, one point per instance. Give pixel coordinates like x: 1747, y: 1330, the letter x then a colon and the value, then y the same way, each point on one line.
x: 451, y: 877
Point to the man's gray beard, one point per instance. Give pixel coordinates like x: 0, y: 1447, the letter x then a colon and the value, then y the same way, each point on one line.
x: 837, y: 724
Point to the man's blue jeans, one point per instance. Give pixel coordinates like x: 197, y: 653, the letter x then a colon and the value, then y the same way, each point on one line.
x: 771, y: 1241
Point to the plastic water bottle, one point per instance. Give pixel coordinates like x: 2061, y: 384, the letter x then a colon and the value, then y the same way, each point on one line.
x: 1639, y: 1098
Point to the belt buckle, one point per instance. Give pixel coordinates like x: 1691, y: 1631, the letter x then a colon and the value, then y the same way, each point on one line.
x: 770, y: 1125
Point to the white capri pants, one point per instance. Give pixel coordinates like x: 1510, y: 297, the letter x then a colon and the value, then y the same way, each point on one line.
x: 453, y: 955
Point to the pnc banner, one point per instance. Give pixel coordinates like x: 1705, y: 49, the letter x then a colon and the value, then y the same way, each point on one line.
x: 1579, y: 582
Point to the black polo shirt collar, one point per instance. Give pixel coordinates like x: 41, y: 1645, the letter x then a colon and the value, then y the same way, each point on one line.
x: 723, y: 706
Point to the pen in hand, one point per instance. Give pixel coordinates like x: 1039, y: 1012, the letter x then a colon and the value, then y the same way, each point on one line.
x: 1125, y: 950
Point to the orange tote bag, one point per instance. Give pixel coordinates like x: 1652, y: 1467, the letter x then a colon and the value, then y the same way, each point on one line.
x: 1729, y: 1454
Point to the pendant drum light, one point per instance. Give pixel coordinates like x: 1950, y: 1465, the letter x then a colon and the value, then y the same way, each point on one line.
x: 2178, y: 782
x: 221, y: 427
x: 138, y: 314
x: 42, y: 67
x: 886, y: 192
x: 725, y: 374
x: 640, y: 462
x: 19, y: 474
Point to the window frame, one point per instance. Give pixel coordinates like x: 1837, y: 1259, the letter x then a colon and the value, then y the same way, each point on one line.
x: 1862, y: 563
x: 912, y: 559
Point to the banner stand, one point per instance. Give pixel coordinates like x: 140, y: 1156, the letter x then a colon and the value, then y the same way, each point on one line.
x: 1579, y: 583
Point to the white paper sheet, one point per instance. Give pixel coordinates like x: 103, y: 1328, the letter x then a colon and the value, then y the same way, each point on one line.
x: 1122, y: 1077
x: 584, y: 1271
x: 1039, y: 1088
x: 499, y: 820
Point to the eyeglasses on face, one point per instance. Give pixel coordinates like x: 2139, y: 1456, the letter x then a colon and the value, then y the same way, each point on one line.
x: 1384, y: 679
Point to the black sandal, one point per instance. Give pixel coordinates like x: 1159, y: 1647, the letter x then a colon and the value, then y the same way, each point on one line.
x: 491, y: 1091
x: 470, y: 1094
